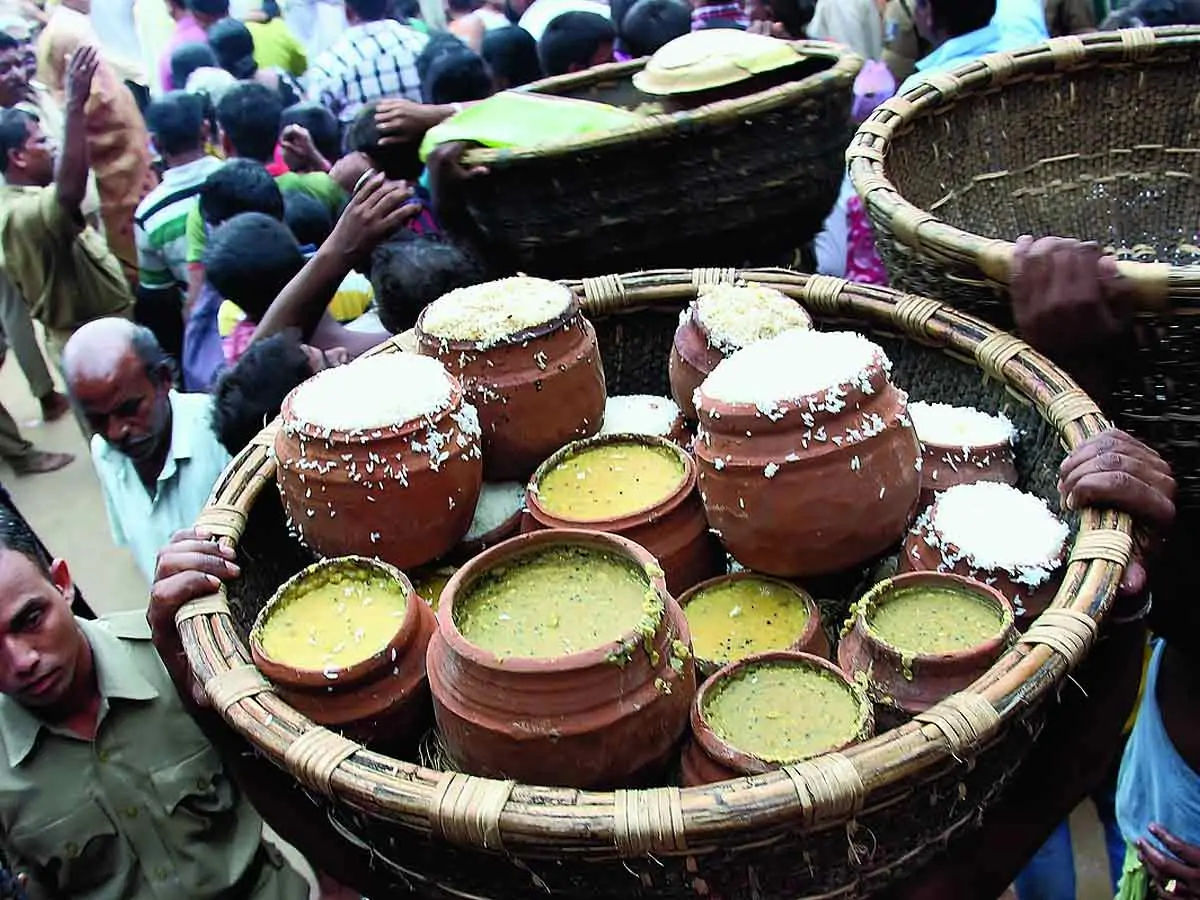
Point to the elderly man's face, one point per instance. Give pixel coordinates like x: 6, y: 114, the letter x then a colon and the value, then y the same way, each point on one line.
x: 14, y: 77
x: 127, y: 406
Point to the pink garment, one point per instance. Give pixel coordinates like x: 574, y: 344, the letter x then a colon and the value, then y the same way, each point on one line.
x: 187, y: 31
x: 863, y: 264
x: 234, y: 344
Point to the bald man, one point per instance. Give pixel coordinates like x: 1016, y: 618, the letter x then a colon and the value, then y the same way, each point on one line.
x: 154, y: 448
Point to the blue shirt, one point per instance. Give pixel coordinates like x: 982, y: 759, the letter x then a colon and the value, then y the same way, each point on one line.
x: 145, y: 523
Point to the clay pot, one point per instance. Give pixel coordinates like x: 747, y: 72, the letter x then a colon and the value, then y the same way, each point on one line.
x: 913, y: 684
x: 378, y: 492
x: 382, y: 700
x: 510, y: 527
x: 674, y: 530
x: 708, y: 758
x: 808, y: 491
x: 434, y: 577
x: 944, y: 467
x: 812, y: 640
x: 535, y: 391
x: 692, y: 359
x: 607, y: 717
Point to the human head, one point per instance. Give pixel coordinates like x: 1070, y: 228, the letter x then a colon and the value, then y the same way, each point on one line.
x: 511, y: 53
x: 358, y: 11
x: 397, y: 161
x: 458, y: 8
x: 206, y: 12
x: 26, y: 154
x: 249, y: 395
x: 176, y: 122
x: 307, y: 218
x: 239, y: 186
x: 348, y: 170
x: 457, y: 76
x: 43, y: 651
x: 121, y: 379
x: 574, y: 41
x: 186, y: 59
x: 250, y: 259
x: 411, y: 271
x: 651, y: 23
x: 1154, y: 14
x: 320, y: 123
x: 14, y: 78
x: 232, y: 43
x: 249, y: 115
x: 176, y: 9
x: 939, y: 20
x: 514, y: 9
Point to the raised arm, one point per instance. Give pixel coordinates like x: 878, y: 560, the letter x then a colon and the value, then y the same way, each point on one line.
x: 70, y: 183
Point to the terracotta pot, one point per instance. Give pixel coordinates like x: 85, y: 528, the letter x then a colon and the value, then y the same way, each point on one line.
x: 944, y: 467
x: 607, y: 717
x: 377, y: 492
x: 535, y: 391
x: 674, y: 530
x: 430, y: 581
x: 510, y: 527
x: 692, y: 359
x: 913, y: 684
x: 708, y: 758
x: 812, y: 640
x: 788, y: 503
x: 382, y: 700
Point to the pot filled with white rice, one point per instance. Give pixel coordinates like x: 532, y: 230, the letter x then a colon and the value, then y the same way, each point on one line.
x: 962, y: 445
x: 497, y: 517
x: 646, y: 414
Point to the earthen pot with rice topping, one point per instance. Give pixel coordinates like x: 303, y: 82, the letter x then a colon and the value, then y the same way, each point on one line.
x: 808, y: 463
x: 721, y: 320
x: 962, y: 445
x: 528, y: 361
x: 646, y: 414
x: 381, y: 458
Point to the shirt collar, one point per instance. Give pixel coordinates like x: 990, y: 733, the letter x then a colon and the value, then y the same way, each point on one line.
x: 963, y: 48
x: 181, y: 444
x: 116, y: 676
x: 194, y: 169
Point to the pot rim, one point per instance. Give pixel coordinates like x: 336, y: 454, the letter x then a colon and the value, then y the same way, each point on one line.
x: 730, y: 756
x: 810, y: 628
x: 525, y: 544
x: 572, y: 310
x: 693, y: 316
x: 659, y: 510
x: 274, y: 669
x: 991, y: 646
x: 994, y: 447
x: 503, y: 531
x: 727, y: 409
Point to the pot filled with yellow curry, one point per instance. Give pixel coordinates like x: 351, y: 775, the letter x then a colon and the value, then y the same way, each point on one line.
x: 638, y: 486
x: 344, y: 642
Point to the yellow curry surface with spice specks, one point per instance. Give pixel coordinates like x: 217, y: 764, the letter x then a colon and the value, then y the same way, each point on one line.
x: 430, y: 584
x: 335, y: 624
x: 735, y: 619
x: 783, y: 712
x: 553, y: 602
x: 926, y: 620
x: 610, y: 481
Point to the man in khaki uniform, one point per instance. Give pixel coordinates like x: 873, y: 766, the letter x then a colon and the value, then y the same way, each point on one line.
x: 108, y: 788
x: 902, y: 45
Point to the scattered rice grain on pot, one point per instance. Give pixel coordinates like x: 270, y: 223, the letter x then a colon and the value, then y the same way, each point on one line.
x: 944, y: 425
x: 498, y: 502
x: 996, y: 526
x: 490, y: 312
x: 736, y: 316
x: 639, y: 414
x: 389, y: 389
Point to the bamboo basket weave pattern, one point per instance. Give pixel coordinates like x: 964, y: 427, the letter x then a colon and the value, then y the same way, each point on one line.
x: 736, y: 181
x: 842, y: 825
x: 1094, y: 137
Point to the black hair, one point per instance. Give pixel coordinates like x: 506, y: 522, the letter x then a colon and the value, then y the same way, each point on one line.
x: 249, y: 114
x: 455, y: 76
x: 186, y: 59
x: 403, y: 10
x: 511, y: 53
x: 1154, y: 14
x: 309, y: 220
x: 214, y: 9
x: 957, y: 17
x: 649, y: 24
x: 411, y: 271
x: 368, y: 10
x: 175, y: 120
x: 270, y: 9
x: 618, y: 9
x: 249, y: 395
x: 14, y: 132
x: 8, y: 42
x: 439, y: 44
x: 250, y: 259
x: 239, y: 186
x: 397, y: 161
x: 234, y: 46
x: 17, y: 536
x: 320, y: 123
x: 572, y: 39
x: 794, y: 15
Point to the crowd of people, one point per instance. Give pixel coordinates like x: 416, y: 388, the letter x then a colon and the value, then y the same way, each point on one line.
x: 202, y: 205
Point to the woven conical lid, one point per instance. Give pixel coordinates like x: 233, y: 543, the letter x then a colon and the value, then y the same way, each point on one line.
x: 712, y: 58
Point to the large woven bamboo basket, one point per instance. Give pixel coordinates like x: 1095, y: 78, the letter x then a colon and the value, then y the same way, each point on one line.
x: 842, y: 825
x: 737, y: 181
x: 1094, y: 137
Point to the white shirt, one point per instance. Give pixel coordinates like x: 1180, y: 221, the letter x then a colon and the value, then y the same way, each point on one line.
x: 855, y: 23
x: 368, y: 62
x: 195, y: 461
x: 543, y: 12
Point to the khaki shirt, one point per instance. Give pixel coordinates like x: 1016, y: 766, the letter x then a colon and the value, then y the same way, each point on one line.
x: 64, y: 270
x: 902, y: 45
x: 145, y: 810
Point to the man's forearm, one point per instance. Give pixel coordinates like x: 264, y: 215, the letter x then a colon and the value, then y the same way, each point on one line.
x: 303, y: 301
x: 71, y: 181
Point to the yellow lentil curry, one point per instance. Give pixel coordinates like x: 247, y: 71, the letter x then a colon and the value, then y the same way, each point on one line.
x: 783, y: 711
x: 610, y: 481
x: 335, y: 623
x: 927, y: 620
x: 430, y: 584
x: 554, y: 602
x: 735, y: 619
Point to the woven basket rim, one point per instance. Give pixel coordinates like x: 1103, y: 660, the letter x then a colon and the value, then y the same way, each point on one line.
x: 867, y: 154
x: 825, y: 791
x: 846, y: 65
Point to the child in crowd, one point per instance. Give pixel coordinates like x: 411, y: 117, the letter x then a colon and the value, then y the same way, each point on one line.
x: 649, y: 24
x: 308, y: 219
x: 511, y: 55
x: 575, y: 41
x: 310, y: 137
x: 456, y: 76
x: 186, y: 59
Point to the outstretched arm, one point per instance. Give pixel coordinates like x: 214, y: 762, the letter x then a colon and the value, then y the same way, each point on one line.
x: 70, y: 184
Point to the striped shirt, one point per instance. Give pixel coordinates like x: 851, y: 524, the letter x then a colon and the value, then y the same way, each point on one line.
x: 160, y: 223
x: 368, y: 62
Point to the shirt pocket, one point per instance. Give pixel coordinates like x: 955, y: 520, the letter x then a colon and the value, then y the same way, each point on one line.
x: 195, y: 791
x: 72, y: 854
